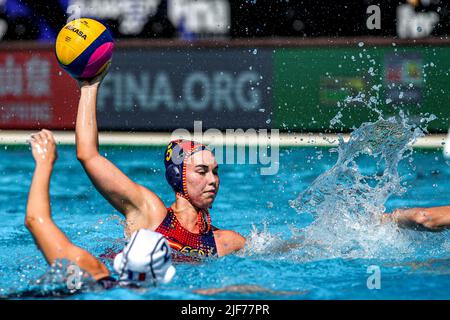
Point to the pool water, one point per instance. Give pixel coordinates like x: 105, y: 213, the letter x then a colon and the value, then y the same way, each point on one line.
x: 257, y: 206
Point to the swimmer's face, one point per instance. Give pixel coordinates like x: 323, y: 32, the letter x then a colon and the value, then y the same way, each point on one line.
x: 202, y: 178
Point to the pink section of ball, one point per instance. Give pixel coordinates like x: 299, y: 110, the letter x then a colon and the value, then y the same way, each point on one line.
x: 97, y: 60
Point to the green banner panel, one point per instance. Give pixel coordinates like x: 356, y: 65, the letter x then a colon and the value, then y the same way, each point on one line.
x: 337, y: 89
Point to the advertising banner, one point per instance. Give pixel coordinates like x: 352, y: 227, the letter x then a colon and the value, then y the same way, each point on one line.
x: 319, y: 89
x: 145, y: 90
x: 337, y: 89
x: 35, y: 92
x: 166, y: 89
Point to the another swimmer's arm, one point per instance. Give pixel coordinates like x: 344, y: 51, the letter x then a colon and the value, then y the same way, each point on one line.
x: 126, y: 196
x: 426, y: 219
x: 49, y: 238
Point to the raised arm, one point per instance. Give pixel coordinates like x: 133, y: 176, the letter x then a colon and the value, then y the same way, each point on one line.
x: 131, y: 199
x: 50, y: 240
x: 424, y: 219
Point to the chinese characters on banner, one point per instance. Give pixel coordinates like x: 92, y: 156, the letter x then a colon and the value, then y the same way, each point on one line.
x: 35, y: 92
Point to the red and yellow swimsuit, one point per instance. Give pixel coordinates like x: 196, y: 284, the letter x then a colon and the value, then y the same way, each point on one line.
x: 186, y: 246
x: 184, y: 242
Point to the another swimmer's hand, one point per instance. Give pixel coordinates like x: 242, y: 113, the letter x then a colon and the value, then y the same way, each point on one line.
x: 43, y: 148
x: 94, y: 82
x: 425, y: 219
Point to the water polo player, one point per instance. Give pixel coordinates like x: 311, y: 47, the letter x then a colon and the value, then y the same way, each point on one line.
x: 145, y: 260
x: 192, y: 172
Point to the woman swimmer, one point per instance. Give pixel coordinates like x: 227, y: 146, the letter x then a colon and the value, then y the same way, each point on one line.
x: 192, y: 172
x: 145, y: 259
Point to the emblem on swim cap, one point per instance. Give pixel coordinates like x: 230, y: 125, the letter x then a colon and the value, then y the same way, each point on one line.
x: 145, y: 259
x: 174, y: 160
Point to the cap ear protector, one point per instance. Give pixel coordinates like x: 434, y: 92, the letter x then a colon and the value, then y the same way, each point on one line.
x: 176, y: 153
x: 174, y: 163
x: 174, y: 177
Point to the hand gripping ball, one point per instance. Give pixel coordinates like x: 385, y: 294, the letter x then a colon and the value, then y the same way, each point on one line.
x: 83, y: 48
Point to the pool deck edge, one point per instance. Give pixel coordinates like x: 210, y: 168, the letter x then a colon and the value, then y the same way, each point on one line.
x: 19, y: 137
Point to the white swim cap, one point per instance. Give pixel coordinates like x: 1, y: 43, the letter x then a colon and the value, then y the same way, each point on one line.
x: 146, y: 258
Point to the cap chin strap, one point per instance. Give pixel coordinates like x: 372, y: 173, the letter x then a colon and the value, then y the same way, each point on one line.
x: 204, y: 219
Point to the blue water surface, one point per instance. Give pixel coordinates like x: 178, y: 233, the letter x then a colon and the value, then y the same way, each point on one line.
x: 258, y: 207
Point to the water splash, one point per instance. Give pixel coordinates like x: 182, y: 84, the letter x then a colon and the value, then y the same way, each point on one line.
x: 346, y: 186
x: 261, y: 241
x: 53, y: 283
x: 348, y: 200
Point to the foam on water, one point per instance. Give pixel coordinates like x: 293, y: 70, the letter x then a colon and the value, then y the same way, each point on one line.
x: 259, y: 242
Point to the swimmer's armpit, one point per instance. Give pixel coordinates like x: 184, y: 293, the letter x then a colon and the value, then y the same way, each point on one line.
x: 246, y: 289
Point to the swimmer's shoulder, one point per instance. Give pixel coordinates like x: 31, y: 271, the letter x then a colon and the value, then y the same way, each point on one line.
x: 228, y: 241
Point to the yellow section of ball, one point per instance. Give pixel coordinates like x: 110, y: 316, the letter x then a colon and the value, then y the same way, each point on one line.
x: 75, y: 37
